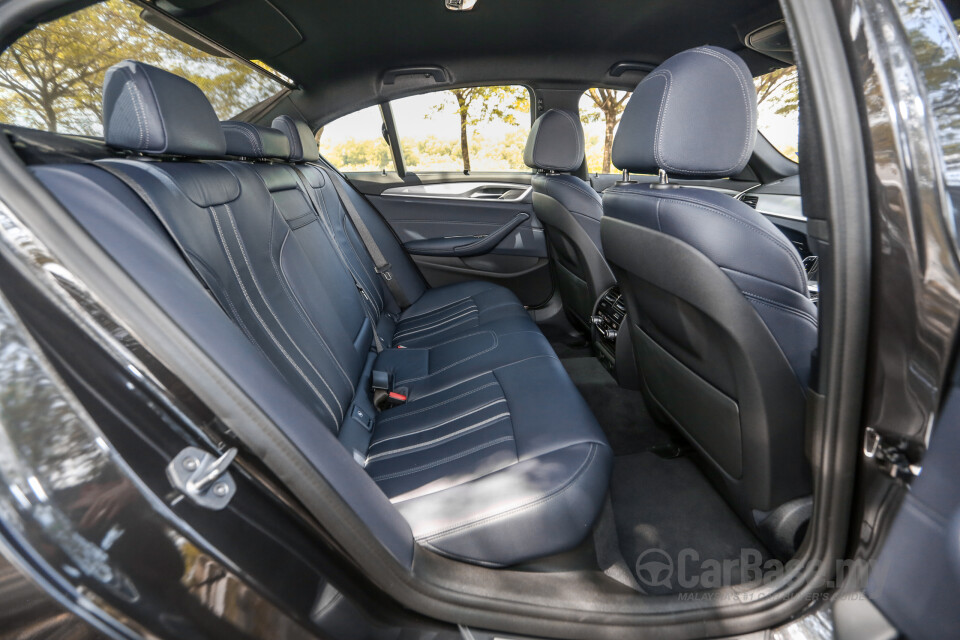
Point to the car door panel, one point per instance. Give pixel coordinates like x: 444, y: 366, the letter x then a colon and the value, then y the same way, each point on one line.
x: 453, y: 216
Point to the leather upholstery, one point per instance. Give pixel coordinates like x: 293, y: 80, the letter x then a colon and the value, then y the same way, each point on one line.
x: 694, y: 115
x: 570, y: 211
x: 303, y: 146
x: 246, y: 140
x: 494, y: 459
x: 555, y: 142
x: 717, y: 301
x: 139, y: 102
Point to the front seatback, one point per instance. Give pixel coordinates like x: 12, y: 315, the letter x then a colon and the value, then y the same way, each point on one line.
x: 716, y: 295
x: 570, y: 211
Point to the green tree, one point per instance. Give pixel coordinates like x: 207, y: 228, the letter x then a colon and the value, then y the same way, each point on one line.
x: 780, y: 88
x: 479, y: 104
x: 54, y: 72
x: 609, y: 105
x: 52, y: 76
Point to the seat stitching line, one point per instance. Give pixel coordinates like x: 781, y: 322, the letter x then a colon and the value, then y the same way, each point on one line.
x: 298, y: 305
x: 256, y: 313
x: 413, y: 448
x: 441, y: 308
x: 751, y: 126
x: 776, y: 305
x: 470, y: 524
x: 466, y: 315
x: 716, y: 209
x: 256, y: 282
x: 444, y: 423
x: 429, y: 324
x: 496, y: 343
x: 438, y: 404
x: 442, y: 461
x: 437, y: 316
x: 582, y: 190
x: 226, y: 294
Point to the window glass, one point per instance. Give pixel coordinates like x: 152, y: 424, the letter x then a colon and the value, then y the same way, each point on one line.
x: 600, y: 111
x: 778, y: 110
x: 51, y: 78
x: 472, y: 129
x: 355, y: 142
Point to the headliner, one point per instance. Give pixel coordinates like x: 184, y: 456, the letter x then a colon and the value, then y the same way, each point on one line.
x: 338, y: 51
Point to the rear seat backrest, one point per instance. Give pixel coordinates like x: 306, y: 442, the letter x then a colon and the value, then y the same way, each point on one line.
x: 312, y: 232
x: 232, y: 228
x: 494, y: 459
x: 305, y: 155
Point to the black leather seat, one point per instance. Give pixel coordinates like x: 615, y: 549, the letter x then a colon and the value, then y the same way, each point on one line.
x: 494, y: 458
x: 716, y: 296
x: 570, y: 211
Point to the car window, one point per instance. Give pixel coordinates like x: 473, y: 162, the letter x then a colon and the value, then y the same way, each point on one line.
x: 51, y: 78
x: 472, y: 129
x: 600, y: 111
x: 778, y: 110
x: 355, y: 142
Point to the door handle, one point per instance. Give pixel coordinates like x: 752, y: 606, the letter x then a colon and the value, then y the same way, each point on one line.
x: 465, y: 246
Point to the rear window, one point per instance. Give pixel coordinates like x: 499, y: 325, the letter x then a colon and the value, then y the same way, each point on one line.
x: 778, y: 110
x: 600, y: 111
x: 51, y: 77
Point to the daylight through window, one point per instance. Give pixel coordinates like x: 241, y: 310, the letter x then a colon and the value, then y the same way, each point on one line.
x: 51, y: 78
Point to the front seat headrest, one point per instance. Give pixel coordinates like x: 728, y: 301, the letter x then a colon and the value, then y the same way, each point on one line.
x: 694, y: 115
x: 154, y: 111
x: 303, y: 146
x: 555, y: 142
x: 247, y: 140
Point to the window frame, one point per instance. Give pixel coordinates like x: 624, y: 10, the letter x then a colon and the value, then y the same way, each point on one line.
x: 393, y: 136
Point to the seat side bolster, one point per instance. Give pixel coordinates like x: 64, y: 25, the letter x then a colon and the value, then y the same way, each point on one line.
x: 510, y: 516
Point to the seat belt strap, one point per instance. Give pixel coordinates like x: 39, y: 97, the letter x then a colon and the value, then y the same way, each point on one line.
x: 379, y: 261
x: 318, y: 210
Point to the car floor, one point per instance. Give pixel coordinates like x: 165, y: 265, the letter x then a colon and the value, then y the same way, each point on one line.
x: 660, y: 498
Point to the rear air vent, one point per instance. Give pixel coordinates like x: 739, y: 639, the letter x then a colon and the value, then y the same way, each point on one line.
x: 750, y: 200
x: 610, y: 312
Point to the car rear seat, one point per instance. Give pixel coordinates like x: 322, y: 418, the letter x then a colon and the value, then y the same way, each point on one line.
x: 494, y: 458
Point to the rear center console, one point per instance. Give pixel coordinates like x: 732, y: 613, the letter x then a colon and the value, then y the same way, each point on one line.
x: 611, y: 338
x: 608, y: 315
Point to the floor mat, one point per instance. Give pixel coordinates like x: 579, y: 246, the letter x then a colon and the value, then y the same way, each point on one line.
x: 621, y: 412
x: 675, y: 531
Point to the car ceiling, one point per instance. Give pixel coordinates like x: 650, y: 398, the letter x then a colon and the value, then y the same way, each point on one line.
x: 337, y: 52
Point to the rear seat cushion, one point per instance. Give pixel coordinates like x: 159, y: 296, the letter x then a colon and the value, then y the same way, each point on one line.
x: 491, y: 470
x: 495, y: 458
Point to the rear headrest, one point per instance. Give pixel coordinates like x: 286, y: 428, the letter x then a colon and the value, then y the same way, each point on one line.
x: 303, y: 146
x: 151, y: 110
x: 555, y: 142
x: 694, y: 115
x: 252, y: 141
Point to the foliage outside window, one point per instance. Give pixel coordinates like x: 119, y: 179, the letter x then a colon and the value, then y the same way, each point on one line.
x: 471, y: 129
x: 355, y: 142
x: 778, y: 110
x: 52, y: 77
x: 600, y: 111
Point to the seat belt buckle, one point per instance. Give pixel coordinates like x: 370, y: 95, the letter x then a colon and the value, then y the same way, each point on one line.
x: 384, y: 271
x: 395, y: 398
x: 381, y: 380
x: 385, y: 399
